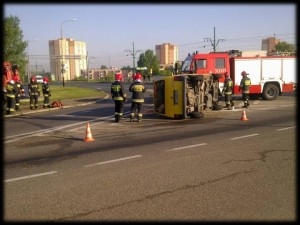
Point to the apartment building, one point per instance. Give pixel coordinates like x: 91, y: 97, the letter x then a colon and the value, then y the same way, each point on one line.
x: 167, y: 54
x: 67, y: 58
x: 269, y: 44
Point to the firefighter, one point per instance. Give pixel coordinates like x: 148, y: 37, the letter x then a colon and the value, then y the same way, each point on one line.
x: 34, y: 93
x: 11, y: 91
x: 118, y: 94
x: 137, y: 99
x: 245, y: 87
x: 227, y: 91
x: 46, y: 92
x: 20, y: 91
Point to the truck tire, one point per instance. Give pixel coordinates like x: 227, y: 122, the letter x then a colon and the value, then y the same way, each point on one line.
x: 270, y: 92
x: 196, y: 78
x: 197, y: 115
x: 217, y: 75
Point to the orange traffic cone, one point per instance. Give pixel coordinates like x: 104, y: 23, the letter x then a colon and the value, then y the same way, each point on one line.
x: 88, y: 136
x: 244, y: 117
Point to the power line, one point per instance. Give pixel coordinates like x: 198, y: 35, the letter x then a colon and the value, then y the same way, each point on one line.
x: 133, y: 53
x: 214, y: 44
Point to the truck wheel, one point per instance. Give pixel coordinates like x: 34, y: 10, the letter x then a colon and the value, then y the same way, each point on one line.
x: 217, y: 75
x: 197, y: 114
x: 217, y: 107
x: 196, y: 78
x: 270, y: 92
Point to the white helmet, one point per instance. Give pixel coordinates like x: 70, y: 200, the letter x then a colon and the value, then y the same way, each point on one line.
x: 12, y: 81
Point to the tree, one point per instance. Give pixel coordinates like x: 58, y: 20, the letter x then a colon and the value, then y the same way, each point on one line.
x: 13, y: 45
x: 149, y: 60
x: 285, y: 48
x: 126, y: 68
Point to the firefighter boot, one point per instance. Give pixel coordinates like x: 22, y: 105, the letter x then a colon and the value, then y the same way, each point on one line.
x: 245, y: 105
x: 232, y: 105
x: 117, y: 118
x: 228, y: 106
x: 17, y: 108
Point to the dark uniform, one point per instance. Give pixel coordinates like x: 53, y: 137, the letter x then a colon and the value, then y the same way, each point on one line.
x: 118, y: 95
x: 46, y: 93
x: 34, y: 93
x: 245, y: 87
x: 137, y: 99
x: 20, y: 91
x: 11, y: 91
x: 227, y: 91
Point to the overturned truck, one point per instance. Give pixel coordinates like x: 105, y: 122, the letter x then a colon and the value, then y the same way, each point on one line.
x: 186, y: 95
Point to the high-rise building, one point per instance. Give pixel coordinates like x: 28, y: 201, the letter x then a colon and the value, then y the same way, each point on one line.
x: 167, y: 54
x: 269, y: 44
x: 67, y: 58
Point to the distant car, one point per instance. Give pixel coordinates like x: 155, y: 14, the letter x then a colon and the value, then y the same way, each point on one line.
x: 39, y: 79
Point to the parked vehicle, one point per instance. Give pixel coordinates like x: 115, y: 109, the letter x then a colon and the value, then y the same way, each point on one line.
x: 39, y: 79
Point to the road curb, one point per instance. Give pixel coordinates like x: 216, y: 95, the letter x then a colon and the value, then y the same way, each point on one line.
x: 20, y: 113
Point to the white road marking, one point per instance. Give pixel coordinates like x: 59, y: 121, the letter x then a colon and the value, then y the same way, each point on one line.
x: 30, y: 176
x: 114, y: 160
x: 250, y: 135
x: 286, y: 128
x: 185, y: 147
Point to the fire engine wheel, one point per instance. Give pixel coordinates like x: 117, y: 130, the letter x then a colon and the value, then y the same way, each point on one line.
x: 217, y: 75
x: 197, y: 115
x: 270, y: 92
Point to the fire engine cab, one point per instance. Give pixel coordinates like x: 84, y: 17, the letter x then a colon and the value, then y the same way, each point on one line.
x: 271, y: 76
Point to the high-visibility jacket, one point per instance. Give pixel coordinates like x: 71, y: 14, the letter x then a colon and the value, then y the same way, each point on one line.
x: 46, y: 89
x: 245, y: 84
x: 138, y: 90
x: 117, y: 91
x: 228, y: 85
x: 33, y: 89
x: 11, y: 90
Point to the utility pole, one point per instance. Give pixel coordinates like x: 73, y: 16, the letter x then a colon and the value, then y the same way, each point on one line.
x: 214, y: 44
x: 133, y: 53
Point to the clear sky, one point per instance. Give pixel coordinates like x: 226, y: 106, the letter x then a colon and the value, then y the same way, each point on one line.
x: 110, y: 29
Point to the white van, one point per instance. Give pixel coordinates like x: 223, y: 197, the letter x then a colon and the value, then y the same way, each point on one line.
x: 39, y: 79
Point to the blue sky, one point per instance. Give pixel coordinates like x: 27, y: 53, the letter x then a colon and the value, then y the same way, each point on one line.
x: 110, y: 29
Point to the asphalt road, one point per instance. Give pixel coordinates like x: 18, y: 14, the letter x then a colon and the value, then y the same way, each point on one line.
x: 218, y: 168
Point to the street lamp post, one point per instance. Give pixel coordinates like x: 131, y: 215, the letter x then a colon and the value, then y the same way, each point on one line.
x: 28, y: 58
x: 87, y: 65
x: 62, y: 44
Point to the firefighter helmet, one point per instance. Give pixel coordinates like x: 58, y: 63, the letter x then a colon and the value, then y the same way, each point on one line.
x: 16, y: 78
x: 32, y: 79
x: 244, y: 73
x: 12, y: 82
x: 45, y: 79
x: 137, y: 77
x: 118, y: 77
x: 226, y: 74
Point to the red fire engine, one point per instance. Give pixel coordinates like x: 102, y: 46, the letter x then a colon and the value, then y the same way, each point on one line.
x: 271, y: 76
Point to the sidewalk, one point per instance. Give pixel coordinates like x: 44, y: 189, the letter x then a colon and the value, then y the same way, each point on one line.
x: 25, y: 109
